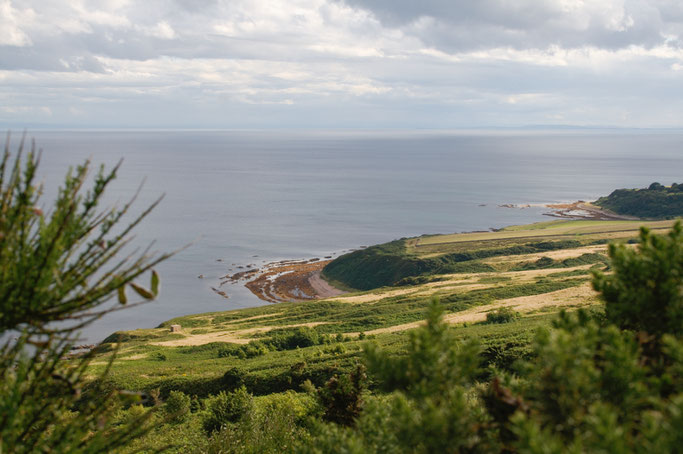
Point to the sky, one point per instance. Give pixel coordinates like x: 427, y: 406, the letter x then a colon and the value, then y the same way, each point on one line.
x: 368, y: 64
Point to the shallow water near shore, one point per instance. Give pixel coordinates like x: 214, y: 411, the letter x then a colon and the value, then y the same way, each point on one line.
x: 256, y: 197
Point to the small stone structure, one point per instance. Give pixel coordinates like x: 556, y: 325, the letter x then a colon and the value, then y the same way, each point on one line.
x: 176, y: 328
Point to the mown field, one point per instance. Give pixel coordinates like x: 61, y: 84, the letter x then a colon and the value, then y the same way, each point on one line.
x: 276, y: 348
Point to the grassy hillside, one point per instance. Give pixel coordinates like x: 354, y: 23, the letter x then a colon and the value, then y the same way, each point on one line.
x: 534, y: 270
x: 409, y: 261
x: 655, y: 202
x: 495, y: 287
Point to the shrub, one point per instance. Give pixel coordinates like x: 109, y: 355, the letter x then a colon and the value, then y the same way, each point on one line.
x: 289, y: 339
x: 226, y: 408
x: 645, y: 292
x: 61, y: 265
x: 233, y: 378
x: 502, y: 315
x: 177, y: 406
x: 275, y: 425
x: 341, y: 397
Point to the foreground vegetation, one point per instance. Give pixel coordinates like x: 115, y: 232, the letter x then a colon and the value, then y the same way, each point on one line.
x: 57, y: 269
x: 655, y: 202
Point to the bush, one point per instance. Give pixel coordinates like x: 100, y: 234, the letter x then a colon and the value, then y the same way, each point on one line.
x: 289, y: 339
x: 233, y: 378
x: 177, y: 406
x: 341, y: 397
x: 645, y: 293
x: 61, y: 265
x: 226, y: 408
x: 275, y: 425
x: 502, y: 315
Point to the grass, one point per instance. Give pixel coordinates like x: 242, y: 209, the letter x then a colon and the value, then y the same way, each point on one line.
x: 494, y: 271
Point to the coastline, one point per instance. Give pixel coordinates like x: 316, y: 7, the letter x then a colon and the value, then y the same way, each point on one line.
x: 287, y: 281
x: 585, y: 210
x: 301, y: 280
x: 575, y: 210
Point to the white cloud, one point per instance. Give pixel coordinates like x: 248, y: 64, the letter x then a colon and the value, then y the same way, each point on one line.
x: 11, y: 18
x: 422, y: 63
x: 161, y: 30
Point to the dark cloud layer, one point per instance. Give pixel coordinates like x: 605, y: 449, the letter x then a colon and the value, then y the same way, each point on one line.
x: 465, y: 24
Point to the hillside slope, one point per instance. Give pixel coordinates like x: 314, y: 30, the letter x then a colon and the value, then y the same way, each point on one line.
x: 412, y: 261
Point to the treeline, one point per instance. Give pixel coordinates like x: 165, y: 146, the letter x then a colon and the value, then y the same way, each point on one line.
x: 655, y: 202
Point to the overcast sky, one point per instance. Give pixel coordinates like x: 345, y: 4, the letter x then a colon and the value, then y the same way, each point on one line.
x: 340, y: 63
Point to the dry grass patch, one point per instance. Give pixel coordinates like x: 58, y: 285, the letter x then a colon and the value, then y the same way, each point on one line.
x: 575, y: 296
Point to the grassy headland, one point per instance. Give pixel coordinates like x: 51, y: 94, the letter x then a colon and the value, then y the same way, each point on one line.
x: 655, y: 202
x: 410, y: 261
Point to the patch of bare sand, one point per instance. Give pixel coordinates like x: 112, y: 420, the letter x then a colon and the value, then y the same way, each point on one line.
x: 581, y: 295
x: 321, y: 287
x: 529, y: 275
x: 241, y: 336
x: 453, y: 289
x: 132, y: 357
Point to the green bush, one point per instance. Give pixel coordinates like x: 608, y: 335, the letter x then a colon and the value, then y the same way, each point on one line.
x: 59, y: 267
x: 502, y: 315
x: 177, y: 406
x: 644, y: 292
x: 276, y: 424
x: 291, y: 338
x: 341, y: 397
x: 226, y: 408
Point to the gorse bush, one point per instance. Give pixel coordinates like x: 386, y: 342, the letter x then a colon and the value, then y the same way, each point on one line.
x: 226, y: 408
x: 341, y: 397
x: 644, y: 292
x: 502, y: 315
x: 58, y: 266
x: 177, y: 406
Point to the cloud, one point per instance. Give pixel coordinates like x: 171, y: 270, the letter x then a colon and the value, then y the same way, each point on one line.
x: 11, y: 19
x: 466, y: 25
x: 352, y: 63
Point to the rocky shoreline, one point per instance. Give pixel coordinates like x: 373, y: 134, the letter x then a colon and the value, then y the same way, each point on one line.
x: 584, y: 210
x: 575, y: 210
x: 286, y: 280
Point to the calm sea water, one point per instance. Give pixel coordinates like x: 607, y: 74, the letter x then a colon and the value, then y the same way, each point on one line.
x: 250, y: 197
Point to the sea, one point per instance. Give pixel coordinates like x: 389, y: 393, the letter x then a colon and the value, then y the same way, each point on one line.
x: 237, y: 198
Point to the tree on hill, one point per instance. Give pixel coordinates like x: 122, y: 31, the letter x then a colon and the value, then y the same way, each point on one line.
x: 58, y: 269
